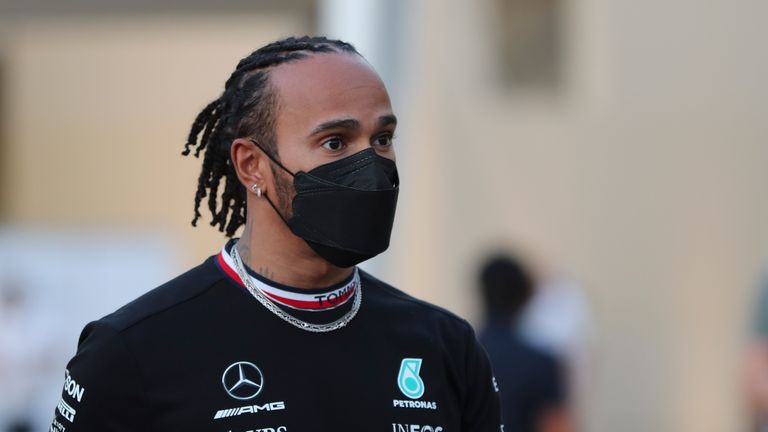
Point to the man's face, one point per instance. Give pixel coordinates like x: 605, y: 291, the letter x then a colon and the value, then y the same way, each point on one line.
x: 329, y: 106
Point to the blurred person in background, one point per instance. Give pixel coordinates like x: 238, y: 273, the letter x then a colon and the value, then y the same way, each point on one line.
x: 558, y: 320
x: 272, y: 333
x: 532, y: 381
x: 757, y: 359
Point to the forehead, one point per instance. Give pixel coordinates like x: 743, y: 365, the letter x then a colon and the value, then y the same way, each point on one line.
x: 329, y: 85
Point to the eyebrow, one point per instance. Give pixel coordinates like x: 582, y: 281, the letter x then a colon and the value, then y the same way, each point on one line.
x: 350, y: 123
x: 336, y: 124
x: 387, y: 120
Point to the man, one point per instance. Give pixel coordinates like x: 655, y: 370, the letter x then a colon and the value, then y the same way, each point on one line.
x: 531, y: 380
x: 281, y: 331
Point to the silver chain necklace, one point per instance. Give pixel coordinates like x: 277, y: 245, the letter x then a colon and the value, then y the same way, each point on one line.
x: 272, y: 307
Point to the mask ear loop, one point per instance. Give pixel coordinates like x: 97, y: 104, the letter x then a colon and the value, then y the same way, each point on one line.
x: 284, y: 169
x: 272, y: 158
x: 276, y: 210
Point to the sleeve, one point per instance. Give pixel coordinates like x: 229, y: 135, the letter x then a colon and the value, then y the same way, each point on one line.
x: 101, y: 387
x: 481, y: 408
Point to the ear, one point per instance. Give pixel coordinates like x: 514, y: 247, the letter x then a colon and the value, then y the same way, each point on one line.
x: 251, y: 164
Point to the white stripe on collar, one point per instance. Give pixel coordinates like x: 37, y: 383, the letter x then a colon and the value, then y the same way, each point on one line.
x: 314, y: 301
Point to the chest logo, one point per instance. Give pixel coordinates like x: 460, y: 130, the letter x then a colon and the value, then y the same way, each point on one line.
x: 408, y: 379
x: 242, y: 380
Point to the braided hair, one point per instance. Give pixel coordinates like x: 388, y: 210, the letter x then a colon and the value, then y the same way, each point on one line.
x: 246, y: 108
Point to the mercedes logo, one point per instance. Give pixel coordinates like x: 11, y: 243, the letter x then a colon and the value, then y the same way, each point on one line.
x: 242, y: 380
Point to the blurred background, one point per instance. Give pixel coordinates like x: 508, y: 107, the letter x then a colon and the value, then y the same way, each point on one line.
x: 620, y: 146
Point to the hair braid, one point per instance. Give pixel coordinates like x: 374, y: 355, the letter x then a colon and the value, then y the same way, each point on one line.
x: 201, y: 121
x: 246, y: 108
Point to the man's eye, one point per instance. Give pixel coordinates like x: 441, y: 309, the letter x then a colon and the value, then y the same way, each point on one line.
x: 383, y: 140
x: 333, y: 144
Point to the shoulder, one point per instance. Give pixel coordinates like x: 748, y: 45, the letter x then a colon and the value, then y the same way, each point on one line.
x: 186, y: 287
x: 416, y: 311
x: 99, y: 382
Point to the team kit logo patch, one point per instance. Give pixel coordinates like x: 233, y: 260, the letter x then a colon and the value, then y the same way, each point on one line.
x: 244, y: 381
x: 67, y: 408
x: 412, y: 386
x: 408, y: 378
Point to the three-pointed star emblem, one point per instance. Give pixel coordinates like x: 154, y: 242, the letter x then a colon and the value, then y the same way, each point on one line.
x: 242, y: 380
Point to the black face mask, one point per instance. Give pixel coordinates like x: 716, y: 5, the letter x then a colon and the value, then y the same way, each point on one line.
x: 344, y: 209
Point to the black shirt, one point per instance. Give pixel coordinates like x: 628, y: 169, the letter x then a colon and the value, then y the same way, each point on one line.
x: 200, y: 353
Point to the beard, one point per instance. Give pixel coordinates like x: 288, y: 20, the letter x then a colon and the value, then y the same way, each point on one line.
x: 284, y: 192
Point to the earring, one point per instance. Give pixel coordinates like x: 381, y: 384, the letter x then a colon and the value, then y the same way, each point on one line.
x: 257, y: 190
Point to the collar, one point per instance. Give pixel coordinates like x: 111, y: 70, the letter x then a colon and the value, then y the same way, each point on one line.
x: 304, y: 299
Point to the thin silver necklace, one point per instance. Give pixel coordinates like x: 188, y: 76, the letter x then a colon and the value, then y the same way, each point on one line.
x: 272, y: 307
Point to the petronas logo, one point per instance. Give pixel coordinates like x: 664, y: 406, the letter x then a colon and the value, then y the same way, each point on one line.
x: 408, y: 379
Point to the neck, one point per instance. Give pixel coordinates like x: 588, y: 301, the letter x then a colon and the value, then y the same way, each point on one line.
x: 273, y: 251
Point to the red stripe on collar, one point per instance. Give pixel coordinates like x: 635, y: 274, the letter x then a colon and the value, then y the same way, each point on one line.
x: 312, y: 301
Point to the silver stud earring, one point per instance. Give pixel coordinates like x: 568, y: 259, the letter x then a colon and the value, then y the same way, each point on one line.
x: 257, y: 190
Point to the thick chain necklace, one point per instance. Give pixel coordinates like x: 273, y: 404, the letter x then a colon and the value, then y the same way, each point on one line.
x: 272, y: 307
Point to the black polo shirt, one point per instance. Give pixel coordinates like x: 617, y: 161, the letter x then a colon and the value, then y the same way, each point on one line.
x: 200, y: 353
